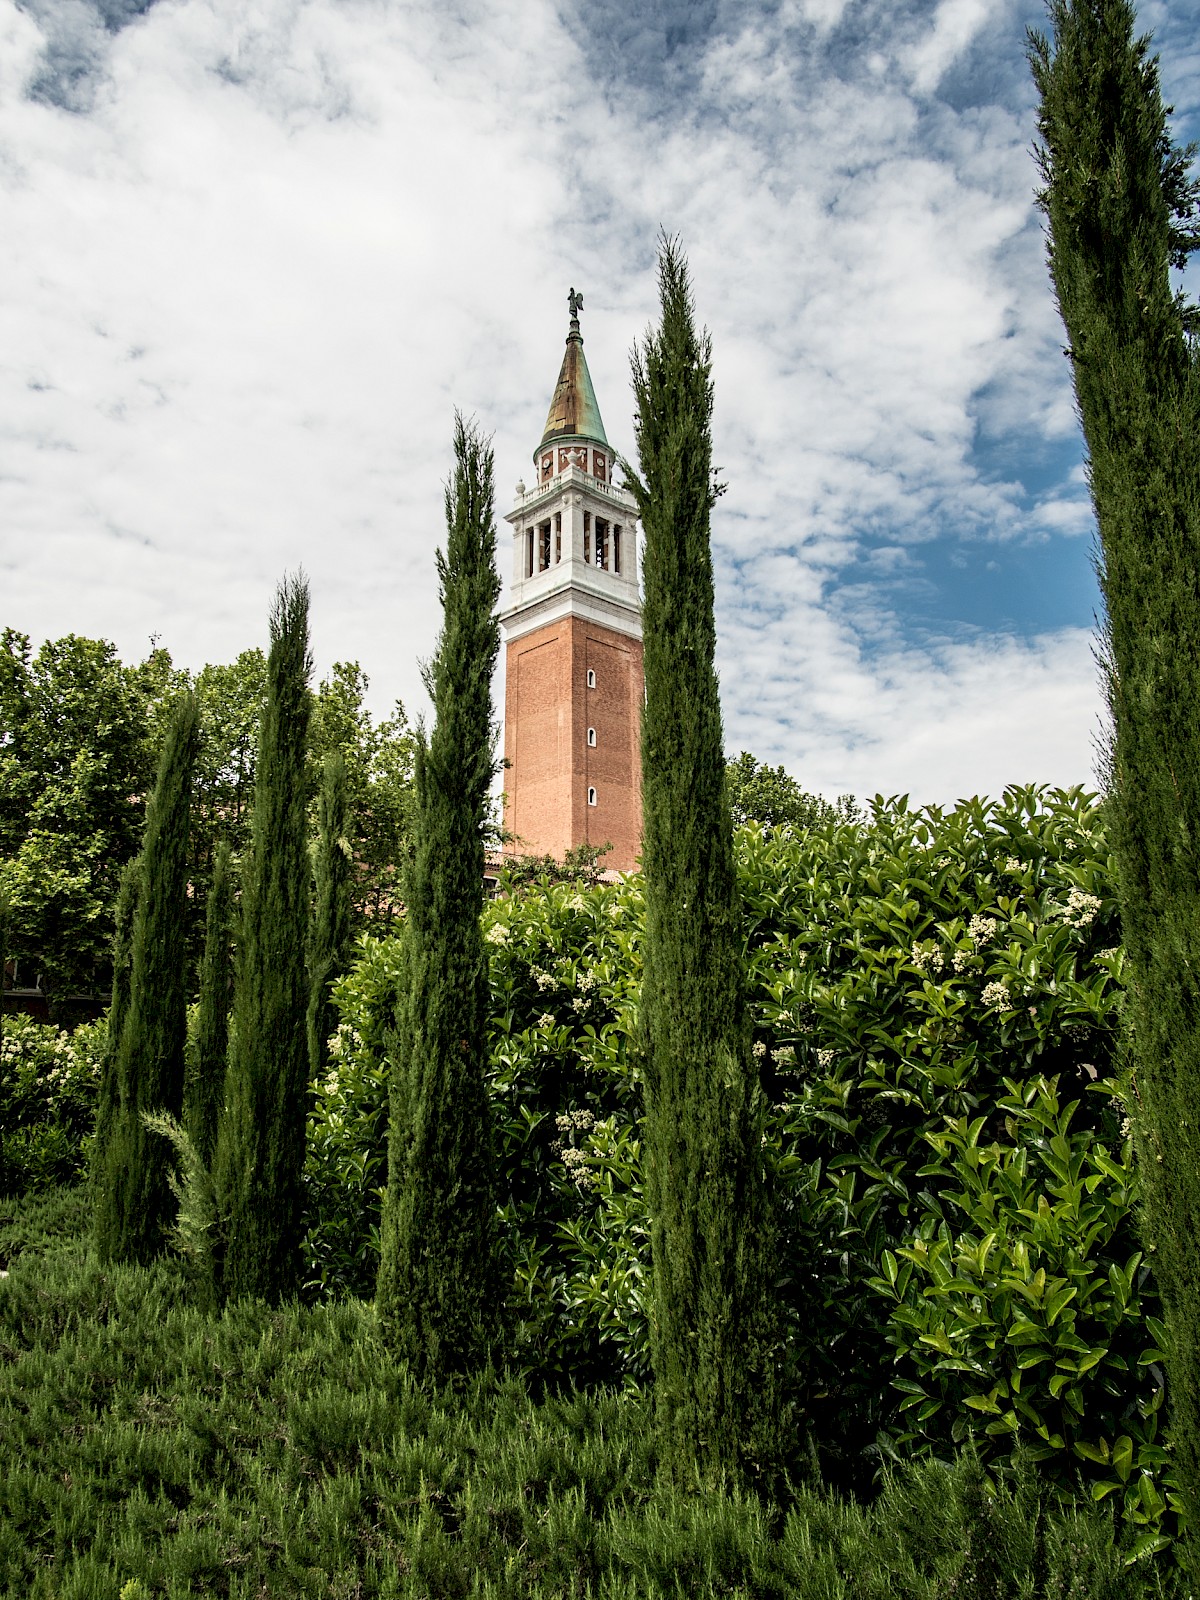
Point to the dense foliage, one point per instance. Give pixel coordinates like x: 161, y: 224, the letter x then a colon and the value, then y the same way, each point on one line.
x: 48, y: 1086
x: 78, y: 742
x: 80, y: 734
x: 1123, y: 208
x: 153, y: 1449
x: 936, y: 1000
x: 771, y: 797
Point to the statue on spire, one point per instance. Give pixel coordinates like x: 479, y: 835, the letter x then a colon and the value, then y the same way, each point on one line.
x: 575, y: 304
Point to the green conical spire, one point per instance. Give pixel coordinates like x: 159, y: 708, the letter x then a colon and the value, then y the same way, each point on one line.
x: 573, y: 410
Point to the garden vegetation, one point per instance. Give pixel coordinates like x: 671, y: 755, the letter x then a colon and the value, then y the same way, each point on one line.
x: 810, y: 1215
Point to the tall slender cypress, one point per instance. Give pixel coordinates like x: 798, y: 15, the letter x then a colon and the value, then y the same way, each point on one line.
x: 260, y: 1140
x: 122, y: 947
x: 206, y: 1086
x: 711, y: 1240
x: 330, y: 933
x: 438, y: 1285
x: 134, y: 1205
x: 1121, y: 208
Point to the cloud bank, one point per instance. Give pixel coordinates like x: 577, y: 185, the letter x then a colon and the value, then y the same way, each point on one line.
x: 256, y: 256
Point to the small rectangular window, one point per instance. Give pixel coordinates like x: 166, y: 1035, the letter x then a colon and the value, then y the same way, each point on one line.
x: 601, y: 542
x: 592, y: 737
x: 557, y: 537
x: 616, y: 553
x: 544, y: 553
x: 591, y: 678
x: 587, y: 537
x: 591, y: 797
x: 529, y: 553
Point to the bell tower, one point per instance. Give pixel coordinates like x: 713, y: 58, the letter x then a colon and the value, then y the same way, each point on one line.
x: 573, y: 638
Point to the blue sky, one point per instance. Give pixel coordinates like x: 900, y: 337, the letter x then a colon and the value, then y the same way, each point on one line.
x: 255, y: 254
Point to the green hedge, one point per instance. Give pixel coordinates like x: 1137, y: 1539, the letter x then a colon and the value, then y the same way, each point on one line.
x: 937, y: 1000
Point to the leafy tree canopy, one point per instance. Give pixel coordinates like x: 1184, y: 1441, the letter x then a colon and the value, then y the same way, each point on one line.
x: 79, y: 737
x: 771, y: 797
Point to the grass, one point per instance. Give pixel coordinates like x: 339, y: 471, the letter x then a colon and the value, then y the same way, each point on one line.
x: 149, y: 1448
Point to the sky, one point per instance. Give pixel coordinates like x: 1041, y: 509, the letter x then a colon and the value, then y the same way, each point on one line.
x: 255, y: 253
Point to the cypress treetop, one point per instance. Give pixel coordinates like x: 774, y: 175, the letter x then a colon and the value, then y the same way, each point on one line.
x: 711, y: 1333
x: 438, y: 1295
x: 260, y: 1143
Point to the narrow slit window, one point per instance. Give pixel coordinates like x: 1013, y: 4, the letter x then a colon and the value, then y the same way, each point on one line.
x: 601, y: 542
x: 529, y: 553
x: 557, y: 537
x: 587, y: 537
x: 591, y: 797
x: 592, y: 737
x: 591, y: 678
x: 544, y: 553
x: 616, y: 548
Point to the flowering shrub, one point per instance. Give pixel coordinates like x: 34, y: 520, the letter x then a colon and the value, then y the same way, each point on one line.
x: 909, y: 974
x: 48, y: 1085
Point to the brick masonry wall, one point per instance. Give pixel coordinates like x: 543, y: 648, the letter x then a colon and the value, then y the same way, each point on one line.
x: 548, y: 711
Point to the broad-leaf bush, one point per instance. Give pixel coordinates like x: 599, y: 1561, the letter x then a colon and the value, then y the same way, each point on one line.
x: 926, y: 985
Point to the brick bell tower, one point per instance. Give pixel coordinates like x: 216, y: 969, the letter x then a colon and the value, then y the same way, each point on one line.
x: 573, y: 632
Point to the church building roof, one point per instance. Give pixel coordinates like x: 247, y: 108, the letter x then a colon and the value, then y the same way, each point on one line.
x: 574, y: 410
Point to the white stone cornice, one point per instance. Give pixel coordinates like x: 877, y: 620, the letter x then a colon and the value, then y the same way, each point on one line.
x: 573, y: 599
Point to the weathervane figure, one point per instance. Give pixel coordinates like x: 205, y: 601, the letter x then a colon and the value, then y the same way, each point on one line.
x: 575, y: 303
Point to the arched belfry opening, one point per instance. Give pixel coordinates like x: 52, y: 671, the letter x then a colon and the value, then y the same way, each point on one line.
x: 573, y: 637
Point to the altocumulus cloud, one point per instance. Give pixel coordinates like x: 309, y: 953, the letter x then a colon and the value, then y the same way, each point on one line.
x: 255, y: 256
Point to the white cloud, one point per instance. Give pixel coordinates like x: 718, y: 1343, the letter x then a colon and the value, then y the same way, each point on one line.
x: 241, y: 296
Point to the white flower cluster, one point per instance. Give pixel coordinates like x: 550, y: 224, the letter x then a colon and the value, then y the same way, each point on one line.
x: 995, y: 994
x: 575, y: 1121
x: 982, y: 929
x: 577, y: 1168
x: 579, y: 1004
x: 785, y: 1055
x: 587, y: 981
x: 824, y: 1059
x: 576, y: 903
x: 760, y: 1048
x: 924, y: 959
x: 961, y: 960
x: 545, y: 980
x: 1081, y: 909
x: 1013, y: 864
x: 545, y: 1020
x: 497, y: 934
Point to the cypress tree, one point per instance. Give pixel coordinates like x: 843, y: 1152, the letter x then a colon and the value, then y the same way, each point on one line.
x: 122, y: 948
x: 134, y: 1204
x: 711, y: 1309
x: 438, y: 1289
x: 330, y: 934
x: 260, y: 1139
x: 206, y: 1086
x: 1121, y: 209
